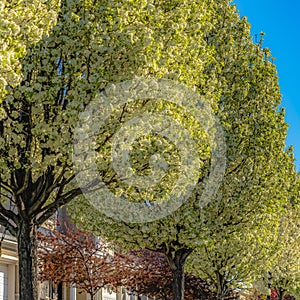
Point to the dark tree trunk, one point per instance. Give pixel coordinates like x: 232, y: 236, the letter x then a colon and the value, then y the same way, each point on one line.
x: 280, y: 294
x: 176, y: 261
x: 60, y: 291
x: 220, y: 296
x: 93, y: 295
x: 221, y: 286
x: 178, y: 283
x: 27, y: 248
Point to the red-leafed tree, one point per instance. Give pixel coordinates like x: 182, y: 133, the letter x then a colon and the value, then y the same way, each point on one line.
x: 145, y: 272
x: 276, y: 294
x: 74, y: 256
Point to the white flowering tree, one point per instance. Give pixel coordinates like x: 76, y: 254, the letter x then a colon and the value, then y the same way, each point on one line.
x: 284, y: 274
x: 55, y: 57
x: 22, y: 24
x: 239, y: 81
x: 58, y: 57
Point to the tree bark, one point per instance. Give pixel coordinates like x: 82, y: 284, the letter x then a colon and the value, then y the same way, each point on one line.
x: 220, y: 296
x: 221, y: 286
x: 281, y: 294
x: 27, y: 254
x: 178, y: 282
x: 92, y: 295
x: 60, y: 291
x: 176, y: 261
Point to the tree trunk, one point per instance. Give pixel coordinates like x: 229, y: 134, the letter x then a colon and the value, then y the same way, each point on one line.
x: 280, y: 294
x: 176, y: 261
x: 60, y: 291
x: 220, y: 296
x: 178, y: 282
x: 27, y: 254
x: 221, y: 286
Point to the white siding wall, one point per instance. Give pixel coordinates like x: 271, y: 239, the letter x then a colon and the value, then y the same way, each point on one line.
x: 3, y: 282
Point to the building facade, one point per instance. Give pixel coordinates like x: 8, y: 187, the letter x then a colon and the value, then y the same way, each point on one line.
x: 9, y: 269
x: 9, y: 288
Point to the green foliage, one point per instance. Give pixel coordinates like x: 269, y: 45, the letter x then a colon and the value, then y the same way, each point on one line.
x: 53, y: 66
x: 22, y: 24
x: 241, y: 82
x: 285, y: 271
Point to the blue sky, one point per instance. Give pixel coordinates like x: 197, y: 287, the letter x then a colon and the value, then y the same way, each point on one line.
x: 280, y: 21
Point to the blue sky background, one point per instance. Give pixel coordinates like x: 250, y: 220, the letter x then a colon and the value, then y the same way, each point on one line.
x: 280, y: 20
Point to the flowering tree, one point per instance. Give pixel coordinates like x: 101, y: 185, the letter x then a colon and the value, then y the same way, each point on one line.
x: 284, y: 276
x: 237, y: 256
x: 58, y: 56
x: 55, y: 57
x: 215, y: 55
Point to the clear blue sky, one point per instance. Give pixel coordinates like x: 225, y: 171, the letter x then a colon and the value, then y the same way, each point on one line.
x: 280, y: 20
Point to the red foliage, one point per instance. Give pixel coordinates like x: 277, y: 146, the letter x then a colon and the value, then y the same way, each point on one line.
x: 146, y: 272
x: 275, y: 296
x: 75, y: 257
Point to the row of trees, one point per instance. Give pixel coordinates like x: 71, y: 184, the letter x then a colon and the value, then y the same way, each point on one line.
x: 235, y: 234
x: 76, y: 257
x: 57, y: 56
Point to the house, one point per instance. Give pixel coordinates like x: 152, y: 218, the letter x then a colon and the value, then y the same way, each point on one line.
x: 8, y: 267
x: 9, y: 279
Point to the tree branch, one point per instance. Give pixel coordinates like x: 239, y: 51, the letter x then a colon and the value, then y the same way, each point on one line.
x: 5, y: 223
x: 9, y: 214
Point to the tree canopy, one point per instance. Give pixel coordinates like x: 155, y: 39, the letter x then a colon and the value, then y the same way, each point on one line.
x: 23, y: 24
x: 239, y: 79
x: 58, y: 57
x: 76, y: 257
